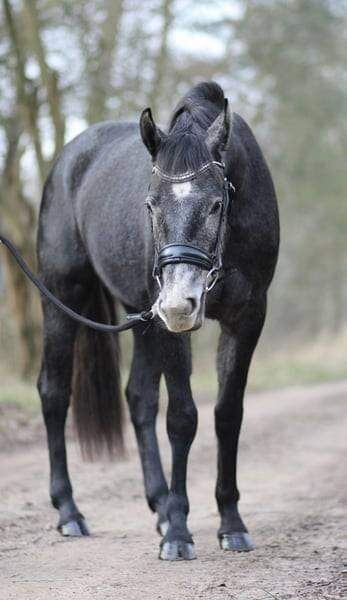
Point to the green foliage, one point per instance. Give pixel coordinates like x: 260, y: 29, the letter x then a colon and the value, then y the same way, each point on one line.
x: 321, y: 361
x: 297, y: 51
x: 19, y: 394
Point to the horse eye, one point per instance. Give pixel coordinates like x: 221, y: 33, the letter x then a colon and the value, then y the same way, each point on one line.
x: 149, y: 207
x: 216, y: 207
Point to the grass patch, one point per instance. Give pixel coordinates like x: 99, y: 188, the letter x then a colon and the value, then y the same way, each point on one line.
x: 285, y: 372
x: 317, y: 362
x: 323, y: 360
x: 19, y: 394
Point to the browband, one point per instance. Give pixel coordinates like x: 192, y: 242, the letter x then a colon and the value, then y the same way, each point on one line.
x: 188, y: 175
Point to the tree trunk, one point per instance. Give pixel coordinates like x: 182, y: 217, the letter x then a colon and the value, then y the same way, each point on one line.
x: 26, y: 100
x: 161, y: 61
x: 20, y: 303
x: 101, y: 71
x: 18, y: 218
x: 48, y: 76
x: 338, y: 278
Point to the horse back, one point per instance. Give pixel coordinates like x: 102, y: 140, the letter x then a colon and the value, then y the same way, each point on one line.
x: 89, y: 215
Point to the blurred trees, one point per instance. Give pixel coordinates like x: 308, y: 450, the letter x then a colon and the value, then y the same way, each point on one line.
x: 66, y: 64
x: 297, y: 50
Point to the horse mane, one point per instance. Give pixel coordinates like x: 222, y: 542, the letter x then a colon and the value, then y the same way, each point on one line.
x: 184, y: 148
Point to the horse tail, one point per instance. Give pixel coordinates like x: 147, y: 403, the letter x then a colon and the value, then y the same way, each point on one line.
x: 96, y: 391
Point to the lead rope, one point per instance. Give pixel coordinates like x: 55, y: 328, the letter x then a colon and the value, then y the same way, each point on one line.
x: 132, y: 319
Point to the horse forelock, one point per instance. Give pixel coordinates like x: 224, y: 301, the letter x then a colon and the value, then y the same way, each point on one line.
x: 184, y: 148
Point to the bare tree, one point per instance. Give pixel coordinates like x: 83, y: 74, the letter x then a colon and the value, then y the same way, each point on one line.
x: 49, y: 77
x: 100, y: 76
x: 18, y: 217
x: 160, y: 66
x: 26, y: 93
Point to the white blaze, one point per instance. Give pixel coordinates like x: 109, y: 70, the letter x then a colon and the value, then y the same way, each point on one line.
x: 181, y: 190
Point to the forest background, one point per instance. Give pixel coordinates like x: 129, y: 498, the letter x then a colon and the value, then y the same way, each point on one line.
x: 65, y: 65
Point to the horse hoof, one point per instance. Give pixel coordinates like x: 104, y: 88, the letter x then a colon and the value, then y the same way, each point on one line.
x: 74, y: 528
x: 177, y: 551
x: 162, y: 528
x: 238, y: 541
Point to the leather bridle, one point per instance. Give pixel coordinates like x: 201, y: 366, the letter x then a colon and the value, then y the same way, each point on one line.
x: 176, y: 253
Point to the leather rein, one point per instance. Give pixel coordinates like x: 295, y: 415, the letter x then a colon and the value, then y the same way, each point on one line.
x: 169, y: 254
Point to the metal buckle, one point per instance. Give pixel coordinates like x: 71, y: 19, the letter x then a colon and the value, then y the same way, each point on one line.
x: 214, y: 272
x: 145, y: 315
x: 156, y: 272
x: 230, y: 185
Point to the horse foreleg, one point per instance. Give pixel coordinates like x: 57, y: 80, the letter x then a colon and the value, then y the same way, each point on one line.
x: 235, y: 350
x: 181, y: 426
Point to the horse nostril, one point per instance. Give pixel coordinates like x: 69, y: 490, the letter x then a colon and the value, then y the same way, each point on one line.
x: 185, y: 307
x: 192, y: 303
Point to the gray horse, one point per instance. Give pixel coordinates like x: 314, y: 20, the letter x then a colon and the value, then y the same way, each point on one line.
x: 185, y: 222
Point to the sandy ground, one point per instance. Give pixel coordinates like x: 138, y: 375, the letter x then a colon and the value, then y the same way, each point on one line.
x: 292, y: 479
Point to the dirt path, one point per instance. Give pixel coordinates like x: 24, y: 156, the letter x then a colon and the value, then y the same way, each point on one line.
x: 292, y: 477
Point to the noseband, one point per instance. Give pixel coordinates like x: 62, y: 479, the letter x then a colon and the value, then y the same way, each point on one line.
x: 172, y: 254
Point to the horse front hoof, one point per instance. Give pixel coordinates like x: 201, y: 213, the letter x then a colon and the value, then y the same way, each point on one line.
x: 74, y: 528
x: 238, y: 541
x: 177, y: 551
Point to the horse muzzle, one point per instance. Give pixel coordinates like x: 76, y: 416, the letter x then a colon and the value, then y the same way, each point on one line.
x: 180, y: 316
x: 182, y: 298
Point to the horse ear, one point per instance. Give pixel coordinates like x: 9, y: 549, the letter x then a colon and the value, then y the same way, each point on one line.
x: 218, y: 133
x: 150, y: 133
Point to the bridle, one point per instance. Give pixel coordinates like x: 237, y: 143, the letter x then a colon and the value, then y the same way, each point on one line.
x: 176, y: 253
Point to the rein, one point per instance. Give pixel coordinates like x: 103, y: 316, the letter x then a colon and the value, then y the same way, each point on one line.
x: 169, y: 254
x: 132, y: 319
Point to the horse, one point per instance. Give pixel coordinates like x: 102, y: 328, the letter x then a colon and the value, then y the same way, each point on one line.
x: 186, y: 221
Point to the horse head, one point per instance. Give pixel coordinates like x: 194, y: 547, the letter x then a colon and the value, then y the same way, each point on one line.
x: 187, y: 203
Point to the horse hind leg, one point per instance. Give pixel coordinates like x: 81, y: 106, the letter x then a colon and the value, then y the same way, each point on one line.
x: 143, y: 395
x: 54, y: 387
